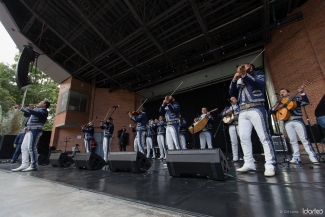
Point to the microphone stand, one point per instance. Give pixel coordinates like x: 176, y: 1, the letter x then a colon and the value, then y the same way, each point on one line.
x: 66, y: 143
x: 303, y: 105
x: 224, y: 135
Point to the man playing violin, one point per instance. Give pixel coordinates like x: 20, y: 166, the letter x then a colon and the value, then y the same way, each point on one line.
x: 296, y: 126
x: 170, y: 108
x: 182, y: 131
x: 141, y: 122
x: 108, y: 129
x: 35, y: 123
x: 249, y: 86
x: 206, y: 133
x: 233, y: 126
x: 88, y: 130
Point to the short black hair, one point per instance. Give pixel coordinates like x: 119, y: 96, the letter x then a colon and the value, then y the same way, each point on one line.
x: 47, y: 103
x: 110, y: 118
x: 252, y: 65
x: 285, y: 89
x: 143, y: 109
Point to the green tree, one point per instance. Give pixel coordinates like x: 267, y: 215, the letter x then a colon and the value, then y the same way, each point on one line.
x: 42, y: 88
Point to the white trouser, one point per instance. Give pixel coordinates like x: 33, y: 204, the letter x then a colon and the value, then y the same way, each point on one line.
x: 107, y: 146
x: 298, y: 127
x: 87, y: 145
x: 205, y: 137
x: 29, y: 149
x: 172, y: 136
x: 161, y: 144
x: 257, y: 118
x: 149, y: 147
x: 140, y: 141
x: 135, y: 144
x: 234, y: 140
x: 182, y: 140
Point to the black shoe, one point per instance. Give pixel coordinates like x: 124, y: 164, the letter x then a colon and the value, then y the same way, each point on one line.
x: 12, y: 162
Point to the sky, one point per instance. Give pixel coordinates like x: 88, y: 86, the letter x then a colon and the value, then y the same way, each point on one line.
x: 8, y: 48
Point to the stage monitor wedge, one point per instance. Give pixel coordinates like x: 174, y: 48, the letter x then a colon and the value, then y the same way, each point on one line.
x: 60, y: 160
x: 89, y: 161
x: 211, y: 163
x: 134, y: 162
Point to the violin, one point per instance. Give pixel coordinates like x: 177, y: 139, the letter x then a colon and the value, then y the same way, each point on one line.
x: 169, y: 99
x: 134, y: 113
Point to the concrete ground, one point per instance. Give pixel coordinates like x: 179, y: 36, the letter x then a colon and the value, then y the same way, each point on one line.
x: 27, y: 196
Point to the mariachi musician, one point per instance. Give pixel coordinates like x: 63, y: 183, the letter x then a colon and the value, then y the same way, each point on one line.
x: 140, y: 118
x: 108, y: 129
x: 170, y: 108
x: 230, y: 114
x: 206, y: 132
x: 182, y: 131
x: 249, y: 86
x: 88, y: 130
x: 296, y: 126
x: 149, y: 140
x: 161, y: 131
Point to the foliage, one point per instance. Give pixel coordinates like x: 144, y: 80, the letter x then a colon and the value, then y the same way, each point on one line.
x: 42, y: 88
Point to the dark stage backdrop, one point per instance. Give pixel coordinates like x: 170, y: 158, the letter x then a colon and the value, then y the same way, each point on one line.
x: 191, y: 103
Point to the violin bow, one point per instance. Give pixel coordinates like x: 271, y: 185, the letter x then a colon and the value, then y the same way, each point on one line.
x: 142, y: 104
x: 176, y: 88
x: 257, y: 56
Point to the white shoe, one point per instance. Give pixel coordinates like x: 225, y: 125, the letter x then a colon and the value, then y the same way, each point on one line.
x: 315, y: 162
x: 18, y: 169
x: 269, y: 172
x: 29, y: 169
x: 244, y: 169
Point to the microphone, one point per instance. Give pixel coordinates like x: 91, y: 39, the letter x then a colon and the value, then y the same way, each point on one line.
x: 116, y: 106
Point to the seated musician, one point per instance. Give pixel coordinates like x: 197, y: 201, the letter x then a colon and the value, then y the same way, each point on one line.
x: 295, y: 126
x: 206, y: 133
x: 233, y: 112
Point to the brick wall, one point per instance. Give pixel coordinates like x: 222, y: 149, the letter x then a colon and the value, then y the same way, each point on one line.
x: 101, y: 102
x: 296, y: 53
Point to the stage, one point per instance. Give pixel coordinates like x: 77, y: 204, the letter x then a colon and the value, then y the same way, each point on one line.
x: 294, y: 188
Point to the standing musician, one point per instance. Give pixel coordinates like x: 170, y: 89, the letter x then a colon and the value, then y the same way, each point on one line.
x: 35, y: 125
x: 182, y: 131
x: 206, y: 133
x: 88, y: 130
x: 108, y: 129
x: 149, y: 140
x: 161, y: 131
x: 296, y: 126
x: 170, y: 108
x: 141, y: 121
x: 249, y: 86
x: 233, y: 125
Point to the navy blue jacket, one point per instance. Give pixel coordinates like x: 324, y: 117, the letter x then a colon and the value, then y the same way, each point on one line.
x: 161, y: 127
x: 108, y: 129
x: 19, y: 138
x: 171, y: 111
x: 183, y: 126
x: 141, y: 121
x: 89, y: 132
x: 37, y: 117
x: 150, y: 130
x: 250, y: 88
x: 208, y: 126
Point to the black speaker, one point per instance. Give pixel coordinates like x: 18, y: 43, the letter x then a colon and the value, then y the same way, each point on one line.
x: 7, y: 149
x: 43, y: 160
x: 135, y: 162
x: 90, y: 161
x: 22, y: 69
x: 60, y: 160
x: 211, y: 163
